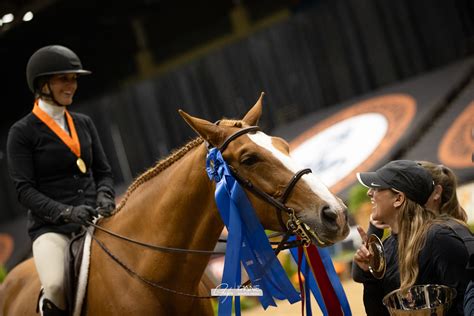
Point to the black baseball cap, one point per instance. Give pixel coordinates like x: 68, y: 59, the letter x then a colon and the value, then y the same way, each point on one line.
x: 406, y: 176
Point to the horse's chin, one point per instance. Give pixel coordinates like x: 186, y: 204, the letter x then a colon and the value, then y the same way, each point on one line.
x: 316, y: 238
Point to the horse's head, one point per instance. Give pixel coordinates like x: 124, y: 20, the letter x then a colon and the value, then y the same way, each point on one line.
x: 265, y: 161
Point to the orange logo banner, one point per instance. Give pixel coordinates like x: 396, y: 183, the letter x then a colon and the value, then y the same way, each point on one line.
x: 457, y: 146
x: 397, y: 111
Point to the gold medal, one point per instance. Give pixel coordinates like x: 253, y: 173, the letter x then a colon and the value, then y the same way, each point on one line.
x: 81, y: 165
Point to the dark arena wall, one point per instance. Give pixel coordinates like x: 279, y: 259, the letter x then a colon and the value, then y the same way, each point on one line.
x: 312, y: 58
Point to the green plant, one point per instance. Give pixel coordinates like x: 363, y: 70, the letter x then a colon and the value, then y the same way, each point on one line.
x: 357, y: 196
x: 471, y: 227
x: 3, y: 273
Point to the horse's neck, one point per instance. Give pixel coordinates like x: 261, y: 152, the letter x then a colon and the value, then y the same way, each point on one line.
x: 174, y: 209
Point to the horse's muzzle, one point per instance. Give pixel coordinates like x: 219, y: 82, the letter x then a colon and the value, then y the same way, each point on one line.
x: 334, y: 221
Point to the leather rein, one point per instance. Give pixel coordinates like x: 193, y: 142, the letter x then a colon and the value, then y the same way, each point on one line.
x: 293, y: 225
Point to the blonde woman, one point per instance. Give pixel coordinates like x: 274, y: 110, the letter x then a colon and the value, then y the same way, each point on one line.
x: 423, y: 248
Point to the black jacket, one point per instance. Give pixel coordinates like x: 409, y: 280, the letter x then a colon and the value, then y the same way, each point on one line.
x: 375, y: 290
x: 441, y: 261
x: 46, y: 176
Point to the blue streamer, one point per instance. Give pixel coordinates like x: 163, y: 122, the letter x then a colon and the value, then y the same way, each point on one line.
x: 246, y: 242
x: 309, y: 277
x: 333, y: 278
x: 335, y: 281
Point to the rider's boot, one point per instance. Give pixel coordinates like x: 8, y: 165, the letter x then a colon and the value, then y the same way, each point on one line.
x: 49, y: 309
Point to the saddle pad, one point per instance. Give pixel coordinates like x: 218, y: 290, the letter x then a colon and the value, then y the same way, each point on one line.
x: 83, y: 273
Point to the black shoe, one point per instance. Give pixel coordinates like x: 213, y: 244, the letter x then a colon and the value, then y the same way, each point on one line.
x: 49, y: 309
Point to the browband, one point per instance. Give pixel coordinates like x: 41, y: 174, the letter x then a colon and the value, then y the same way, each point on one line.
x: 237, y: 134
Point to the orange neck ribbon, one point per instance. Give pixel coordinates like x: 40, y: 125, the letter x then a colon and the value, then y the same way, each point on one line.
x: 71, y: 141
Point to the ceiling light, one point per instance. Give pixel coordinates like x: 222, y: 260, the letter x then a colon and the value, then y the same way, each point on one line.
x: 28, y: 16
x: 7, y: 18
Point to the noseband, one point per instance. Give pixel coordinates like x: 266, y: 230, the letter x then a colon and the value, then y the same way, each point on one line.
x: 294, y: 224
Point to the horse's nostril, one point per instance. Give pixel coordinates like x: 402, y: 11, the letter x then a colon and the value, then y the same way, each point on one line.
x: 329, y: 214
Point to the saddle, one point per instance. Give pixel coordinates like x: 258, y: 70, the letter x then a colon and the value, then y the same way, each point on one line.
x: 73, y: 260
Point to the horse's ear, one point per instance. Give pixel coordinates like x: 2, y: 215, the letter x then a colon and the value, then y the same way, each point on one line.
x: 212, y: 133
x: 253, y: 115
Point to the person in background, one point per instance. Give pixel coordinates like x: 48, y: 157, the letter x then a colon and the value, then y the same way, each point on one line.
x: 431, y: 251
x: 444, y: 199
x: 58, y: 166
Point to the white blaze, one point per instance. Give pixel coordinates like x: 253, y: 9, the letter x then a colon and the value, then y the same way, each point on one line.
x: 311, y: 180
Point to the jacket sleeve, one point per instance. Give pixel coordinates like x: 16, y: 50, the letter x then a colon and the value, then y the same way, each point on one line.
x: 21, y: 169
x: 449, y: 256
x: 373, y: 291
x: 358, y: 274
x: 469, y: 299
x: 101, y: 169
x: 373, y: 296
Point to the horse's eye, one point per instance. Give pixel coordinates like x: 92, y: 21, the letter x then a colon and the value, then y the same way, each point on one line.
x: 249, y: 160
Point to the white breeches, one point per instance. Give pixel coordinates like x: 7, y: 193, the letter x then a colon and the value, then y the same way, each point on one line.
x: 49, y: 250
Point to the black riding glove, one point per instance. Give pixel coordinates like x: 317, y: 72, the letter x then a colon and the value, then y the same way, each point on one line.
x: 105, y: 204
x: 80, y: 214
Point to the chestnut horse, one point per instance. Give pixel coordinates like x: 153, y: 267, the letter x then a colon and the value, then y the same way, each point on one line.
x: 172, y: 205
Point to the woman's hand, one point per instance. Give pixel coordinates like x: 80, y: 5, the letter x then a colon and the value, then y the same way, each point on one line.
x: 81, y: 214
x: 362, y: 255
x: 105, y: 204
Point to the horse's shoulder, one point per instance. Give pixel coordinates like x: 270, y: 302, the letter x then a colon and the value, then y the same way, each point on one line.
x: 23, y: 269
x: 19, y: 290
x: 22, y: 275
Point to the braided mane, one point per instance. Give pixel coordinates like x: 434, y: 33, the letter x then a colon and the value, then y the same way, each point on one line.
x: 157, y: 168
x: 171, y: 159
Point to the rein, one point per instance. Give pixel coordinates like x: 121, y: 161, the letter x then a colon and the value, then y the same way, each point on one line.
x: 158, y: 248
x: 144, y: 280
x: 181, y: 250
x: 292, y: 226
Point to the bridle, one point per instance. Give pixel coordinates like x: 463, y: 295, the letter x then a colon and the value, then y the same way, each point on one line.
x: 292, y: 226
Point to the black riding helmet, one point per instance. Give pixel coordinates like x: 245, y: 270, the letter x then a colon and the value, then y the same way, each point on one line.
x: 49, y: 60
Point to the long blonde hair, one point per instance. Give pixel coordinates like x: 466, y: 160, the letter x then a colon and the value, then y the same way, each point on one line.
x: 414, y: 222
